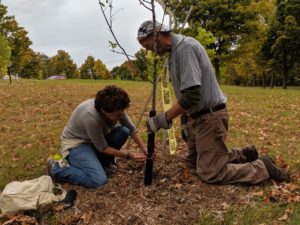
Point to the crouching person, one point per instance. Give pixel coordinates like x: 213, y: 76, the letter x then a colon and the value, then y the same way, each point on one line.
x: 93, y: 137
x: 202, y: 107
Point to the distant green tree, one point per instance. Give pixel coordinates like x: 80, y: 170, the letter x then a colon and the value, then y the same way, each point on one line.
x: 114, y: 72
x: 5, y: 54
x: 141, y: 64
x: 87, y: 69
x: 18, y: 41
x: 100, y: 70
x: 282, y: 47
x: 76, y: 74
x: 226, y: 20
x: 94, y: 69
x: 36, y: 67
x: 246, y: 65
x: 150, y: 63
x: 32, y: 67
x: 62, y: 64
x: 21, y: 52
x: 121, y: 72
x: 108, y: 75
x: 207, y: 39
x: 44, y: 64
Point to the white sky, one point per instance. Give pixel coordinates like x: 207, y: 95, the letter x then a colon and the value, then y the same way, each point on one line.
x: 78, y: 27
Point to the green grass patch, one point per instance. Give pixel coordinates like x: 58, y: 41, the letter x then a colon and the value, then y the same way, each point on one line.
x: 249, y: 215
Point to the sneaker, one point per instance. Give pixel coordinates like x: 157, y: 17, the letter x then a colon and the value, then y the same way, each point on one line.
x: 251, y: 153
x: 49, y: 164
x: 276, y: 173
x: 111, y: 168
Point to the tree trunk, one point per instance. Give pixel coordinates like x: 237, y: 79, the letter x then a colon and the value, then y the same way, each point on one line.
x: 264, y: 80
x: 272, y: 80
x: 285, y: 79
x: 9, y: 74
x: 254, y: 80
x: 285, y: 70
x: 216, y: 63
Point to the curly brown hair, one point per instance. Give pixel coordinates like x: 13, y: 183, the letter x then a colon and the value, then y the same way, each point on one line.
x: 111, y: 99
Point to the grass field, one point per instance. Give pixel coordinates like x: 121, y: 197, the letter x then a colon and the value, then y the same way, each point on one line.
x: 33, y: 114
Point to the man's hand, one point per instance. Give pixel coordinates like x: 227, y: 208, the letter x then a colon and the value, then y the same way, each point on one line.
x: 184, y: 127
x: 157, y: 122
x: 137, y: 156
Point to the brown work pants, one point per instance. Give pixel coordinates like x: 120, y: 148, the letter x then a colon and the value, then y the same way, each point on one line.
x: 214, y: 163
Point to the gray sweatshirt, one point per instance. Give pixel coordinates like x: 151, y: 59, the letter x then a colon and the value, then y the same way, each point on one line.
x: 88, y: 125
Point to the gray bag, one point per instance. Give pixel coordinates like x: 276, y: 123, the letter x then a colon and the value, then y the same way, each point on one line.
x: 29, y: 194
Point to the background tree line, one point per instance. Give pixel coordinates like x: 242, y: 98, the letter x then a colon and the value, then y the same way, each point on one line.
x: 17, y: 58
x: 250, y: 42
x: 256, y: 42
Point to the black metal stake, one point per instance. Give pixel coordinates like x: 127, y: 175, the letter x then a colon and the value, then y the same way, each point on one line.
x: 151, y: 136
x: 150, y: 148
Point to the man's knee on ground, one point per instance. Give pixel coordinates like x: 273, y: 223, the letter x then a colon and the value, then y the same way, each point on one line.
x: 207, y: 176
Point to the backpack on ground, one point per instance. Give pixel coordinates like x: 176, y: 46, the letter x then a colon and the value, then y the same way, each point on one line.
x: 29, y: 194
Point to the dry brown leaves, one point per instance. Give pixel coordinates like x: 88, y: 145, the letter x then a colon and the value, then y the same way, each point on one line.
x: 20, y: 219
x: 287, y: 213
x: 285, y: 193
x: 280, y: 162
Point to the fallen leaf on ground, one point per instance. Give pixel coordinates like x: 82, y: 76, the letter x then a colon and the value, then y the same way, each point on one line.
x: 288, y: 212
x: 258, y: 194
x: 285, y: 193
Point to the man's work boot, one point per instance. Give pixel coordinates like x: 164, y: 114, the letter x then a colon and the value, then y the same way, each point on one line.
x: 251, y: 153
x: 191, y: 160
x: 276, y: 173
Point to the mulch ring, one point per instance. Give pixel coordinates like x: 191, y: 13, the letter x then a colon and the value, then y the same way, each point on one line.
x: 176, y: 196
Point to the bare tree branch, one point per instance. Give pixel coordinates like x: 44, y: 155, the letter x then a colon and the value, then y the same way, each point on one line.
x: 187, y: 16
x: 115, y: 13
x: 162, y: 21
x: 155, y: 55
x: 143, y: 4
x: 109, y: 24
x: 150, y: 96
x: 110, y: 12
x: 122, y: 53
x: 164, y: 6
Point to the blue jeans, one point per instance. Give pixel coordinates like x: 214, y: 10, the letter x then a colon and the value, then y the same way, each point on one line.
x: 86, y: 163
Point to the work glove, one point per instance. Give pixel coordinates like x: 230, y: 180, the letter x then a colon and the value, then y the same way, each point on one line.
x: 157, y: 122
x: 184, y: 127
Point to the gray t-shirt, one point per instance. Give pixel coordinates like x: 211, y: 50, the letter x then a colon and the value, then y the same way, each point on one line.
x: 190, y: 66
x: 87, y: 125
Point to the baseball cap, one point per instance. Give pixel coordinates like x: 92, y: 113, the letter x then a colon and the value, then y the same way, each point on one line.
x: 147, y: 28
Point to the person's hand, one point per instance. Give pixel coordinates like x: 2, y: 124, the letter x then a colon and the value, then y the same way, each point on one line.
x: 137, y: 156
x: 184, y: 127
x: 157, y: 122
x: 145, y: 151
x: 153, y: 156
